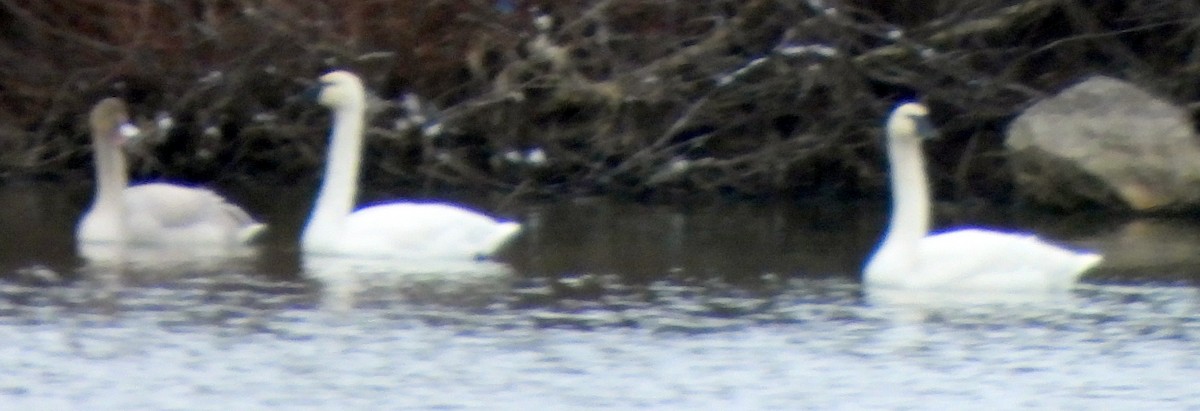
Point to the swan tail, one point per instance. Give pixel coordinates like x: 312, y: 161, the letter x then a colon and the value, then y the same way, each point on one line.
x: 247, y: 229
x: 250, y: 232
x: 500, y: 236
x: 1087, y: 262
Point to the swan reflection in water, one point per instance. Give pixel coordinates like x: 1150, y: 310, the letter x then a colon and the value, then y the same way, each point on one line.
x: 340, y: 283
x: 115, y: 277
x: 349, y: 281
x: 155, y: 263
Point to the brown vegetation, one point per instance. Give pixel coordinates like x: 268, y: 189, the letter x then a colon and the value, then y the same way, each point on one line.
x: 647, y: 98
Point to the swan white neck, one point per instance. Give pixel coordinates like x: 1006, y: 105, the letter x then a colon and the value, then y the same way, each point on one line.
x: 339, y: 187
x: 910, y: 198
x: 111, y: 178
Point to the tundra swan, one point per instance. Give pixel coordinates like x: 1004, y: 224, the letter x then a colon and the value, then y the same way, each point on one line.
x: 909, y: 258
x: 407, y: 230
x: 153, y: 213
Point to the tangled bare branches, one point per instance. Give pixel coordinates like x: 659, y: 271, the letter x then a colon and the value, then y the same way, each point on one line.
x: 647, y: 98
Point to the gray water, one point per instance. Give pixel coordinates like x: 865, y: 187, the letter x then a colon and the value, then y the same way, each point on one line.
x: 600, y: 305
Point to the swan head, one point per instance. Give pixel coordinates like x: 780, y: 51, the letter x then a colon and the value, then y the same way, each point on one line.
x: 340, y: 89
x: 109, y: 121
x: 910, y: 122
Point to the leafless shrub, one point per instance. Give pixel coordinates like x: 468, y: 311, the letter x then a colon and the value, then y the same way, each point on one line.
x: 646, y: 97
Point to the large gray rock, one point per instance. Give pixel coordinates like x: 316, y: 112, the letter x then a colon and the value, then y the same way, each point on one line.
x: 1105, y: 142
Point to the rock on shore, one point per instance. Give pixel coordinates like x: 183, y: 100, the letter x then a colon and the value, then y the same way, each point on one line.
x: 1106, y: 143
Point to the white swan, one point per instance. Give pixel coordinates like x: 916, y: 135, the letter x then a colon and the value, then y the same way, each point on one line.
x: 153, y: 213
x: 392, y: 230
x: 960, y: 260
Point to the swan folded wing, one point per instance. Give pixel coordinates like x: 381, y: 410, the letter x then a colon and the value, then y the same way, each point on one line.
x: 417, y: 230
x: 975, y: 259
x: 177, y: 211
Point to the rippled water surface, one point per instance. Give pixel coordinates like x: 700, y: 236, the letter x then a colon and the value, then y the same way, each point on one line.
x: 599, y: 305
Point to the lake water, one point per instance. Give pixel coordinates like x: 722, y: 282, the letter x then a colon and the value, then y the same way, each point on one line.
x: 600, y: 305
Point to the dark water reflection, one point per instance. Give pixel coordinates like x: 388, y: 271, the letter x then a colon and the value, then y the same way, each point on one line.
x: 600, y: 305
x: 727, y: 242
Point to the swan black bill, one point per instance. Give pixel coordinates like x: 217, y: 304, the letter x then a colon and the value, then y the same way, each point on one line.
x: 924, y: 128
x: 314, y: 92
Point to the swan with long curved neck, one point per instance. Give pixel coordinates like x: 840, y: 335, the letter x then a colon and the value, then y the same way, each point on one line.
x: 153, y: 213
x: 908, y: 258
x: 391, y: 230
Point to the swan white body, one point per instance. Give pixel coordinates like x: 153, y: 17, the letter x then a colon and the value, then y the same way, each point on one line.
x: 155, y: 213
x: 908, y: 258
x: 391, y: 230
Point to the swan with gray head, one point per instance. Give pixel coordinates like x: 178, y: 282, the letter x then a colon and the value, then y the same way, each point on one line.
x: 151, y: 214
